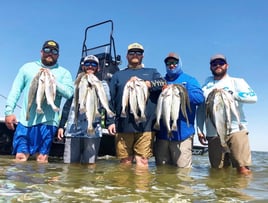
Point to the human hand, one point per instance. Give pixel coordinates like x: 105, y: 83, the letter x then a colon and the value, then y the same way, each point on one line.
x: 112, y: 129
x: 133, y: 78
x: 10, y: 120
x: 164, y: 86
x: 60, y: 133
x: 202, y: 139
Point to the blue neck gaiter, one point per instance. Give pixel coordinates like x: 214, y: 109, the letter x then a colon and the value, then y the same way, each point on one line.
x: 174, y: 73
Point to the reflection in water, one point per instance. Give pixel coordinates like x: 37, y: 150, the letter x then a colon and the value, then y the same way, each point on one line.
x: 228, y: 184
x: 108, y: 181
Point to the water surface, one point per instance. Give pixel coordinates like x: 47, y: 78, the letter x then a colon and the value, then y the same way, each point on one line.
x: 111, y: 182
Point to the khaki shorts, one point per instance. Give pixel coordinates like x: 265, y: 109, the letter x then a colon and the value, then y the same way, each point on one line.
x: 130, y: 144
x: 239, y: 155
x: 174, y: 152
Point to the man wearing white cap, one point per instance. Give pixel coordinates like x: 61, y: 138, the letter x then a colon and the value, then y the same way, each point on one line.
x: 80, y: 145
x: 134, y: 141
x: 238, y: 150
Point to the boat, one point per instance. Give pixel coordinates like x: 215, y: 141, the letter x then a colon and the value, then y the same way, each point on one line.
x: 199, y: 150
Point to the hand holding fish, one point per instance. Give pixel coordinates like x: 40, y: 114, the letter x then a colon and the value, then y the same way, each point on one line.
x: 202, y: 138
x: 133, y: 78
x: 112, y: 129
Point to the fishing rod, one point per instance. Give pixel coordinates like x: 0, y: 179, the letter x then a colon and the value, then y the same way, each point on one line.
x: 6, y: 99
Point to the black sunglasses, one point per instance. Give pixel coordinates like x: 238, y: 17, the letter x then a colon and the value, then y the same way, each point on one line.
x: 90, y: 63
x: 218, y: 62
x: 172, y: 63
x: 48, y: 50
x: 132, y: 53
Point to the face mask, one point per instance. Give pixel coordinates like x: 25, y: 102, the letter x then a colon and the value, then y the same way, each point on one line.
x: 173, y: 72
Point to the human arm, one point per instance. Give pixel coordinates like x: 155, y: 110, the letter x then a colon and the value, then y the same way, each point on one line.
x: 243, y: 92
x: 65, y: 85
x: 195, y: 91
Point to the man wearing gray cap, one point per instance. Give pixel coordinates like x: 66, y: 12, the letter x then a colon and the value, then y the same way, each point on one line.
x: 175, y: 147
x: 235, y: 149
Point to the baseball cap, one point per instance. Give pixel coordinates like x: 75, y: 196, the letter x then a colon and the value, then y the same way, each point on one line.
x: 218, y: 56
x: 51, y: 44
x: 171, y: 55
x: 135, y: 46
x: 91, y: 58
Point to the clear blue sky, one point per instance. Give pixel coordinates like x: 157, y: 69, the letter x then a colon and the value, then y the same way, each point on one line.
x: 194, y: 29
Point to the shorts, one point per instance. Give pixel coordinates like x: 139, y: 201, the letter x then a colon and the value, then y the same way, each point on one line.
x: 239, y: 151
x: 81, y: 150
x: 130, y: 144
x: 174, y: 152
x: 34, y: 139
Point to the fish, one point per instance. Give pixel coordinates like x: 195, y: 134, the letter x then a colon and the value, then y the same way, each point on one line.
x: 142, y: 94
x: 76, y: 96
x: 173, y: 99
x: 40, y: 93
x: 133, y: 103
x: 50, y: 90
x: 125, y: 100
x: 43, y: 87
x: 94, y: 81
x: 83, y: 85
x: 92, y: 108
x: 135, y: 97
x: 32, y: 94
x: 185, y: 101
x: 175, y: 107
x: 89, y: 96
x: 166, y: 108
x: 220, y: 107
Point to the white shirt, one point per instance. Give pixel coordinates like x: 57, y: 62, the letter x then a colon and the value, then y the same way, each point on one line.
x: 242, y: 94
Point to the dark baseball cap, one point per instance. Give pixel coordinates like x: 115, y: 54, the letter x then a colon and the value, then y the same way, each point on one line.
x: 51, y: 44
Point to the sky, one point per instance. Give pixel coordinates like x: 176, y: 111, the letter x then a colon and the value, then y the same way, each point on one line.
x: 194, y: 29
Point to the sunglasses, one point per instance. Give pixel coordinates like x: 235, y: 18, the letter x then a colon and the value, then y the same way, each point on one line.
x: 132, y: 53
x: 48, y: 50
x: 172, y: 63
x: 90, y: 63
x: 216, y: 63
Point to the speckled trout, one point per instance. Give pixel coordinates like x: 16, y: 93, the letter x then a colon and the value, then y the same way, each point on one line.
x: 220, y: 108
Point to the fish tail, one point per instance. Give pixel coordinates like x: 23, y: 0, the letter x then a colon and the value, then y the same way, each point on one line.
x: 90, y: 131
x: 39, y: 111
x: 156, y: 126
x: 170, y: 135
x: 123, y: 114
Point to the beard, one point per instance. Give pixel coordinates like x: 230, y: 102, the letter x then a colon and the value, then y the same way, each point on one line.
x: 218, y: 74
x: 49, y: 61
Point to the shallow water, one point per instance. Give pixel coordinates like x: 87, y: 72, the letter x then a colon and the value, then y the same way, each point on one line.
x: 111, y: 182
